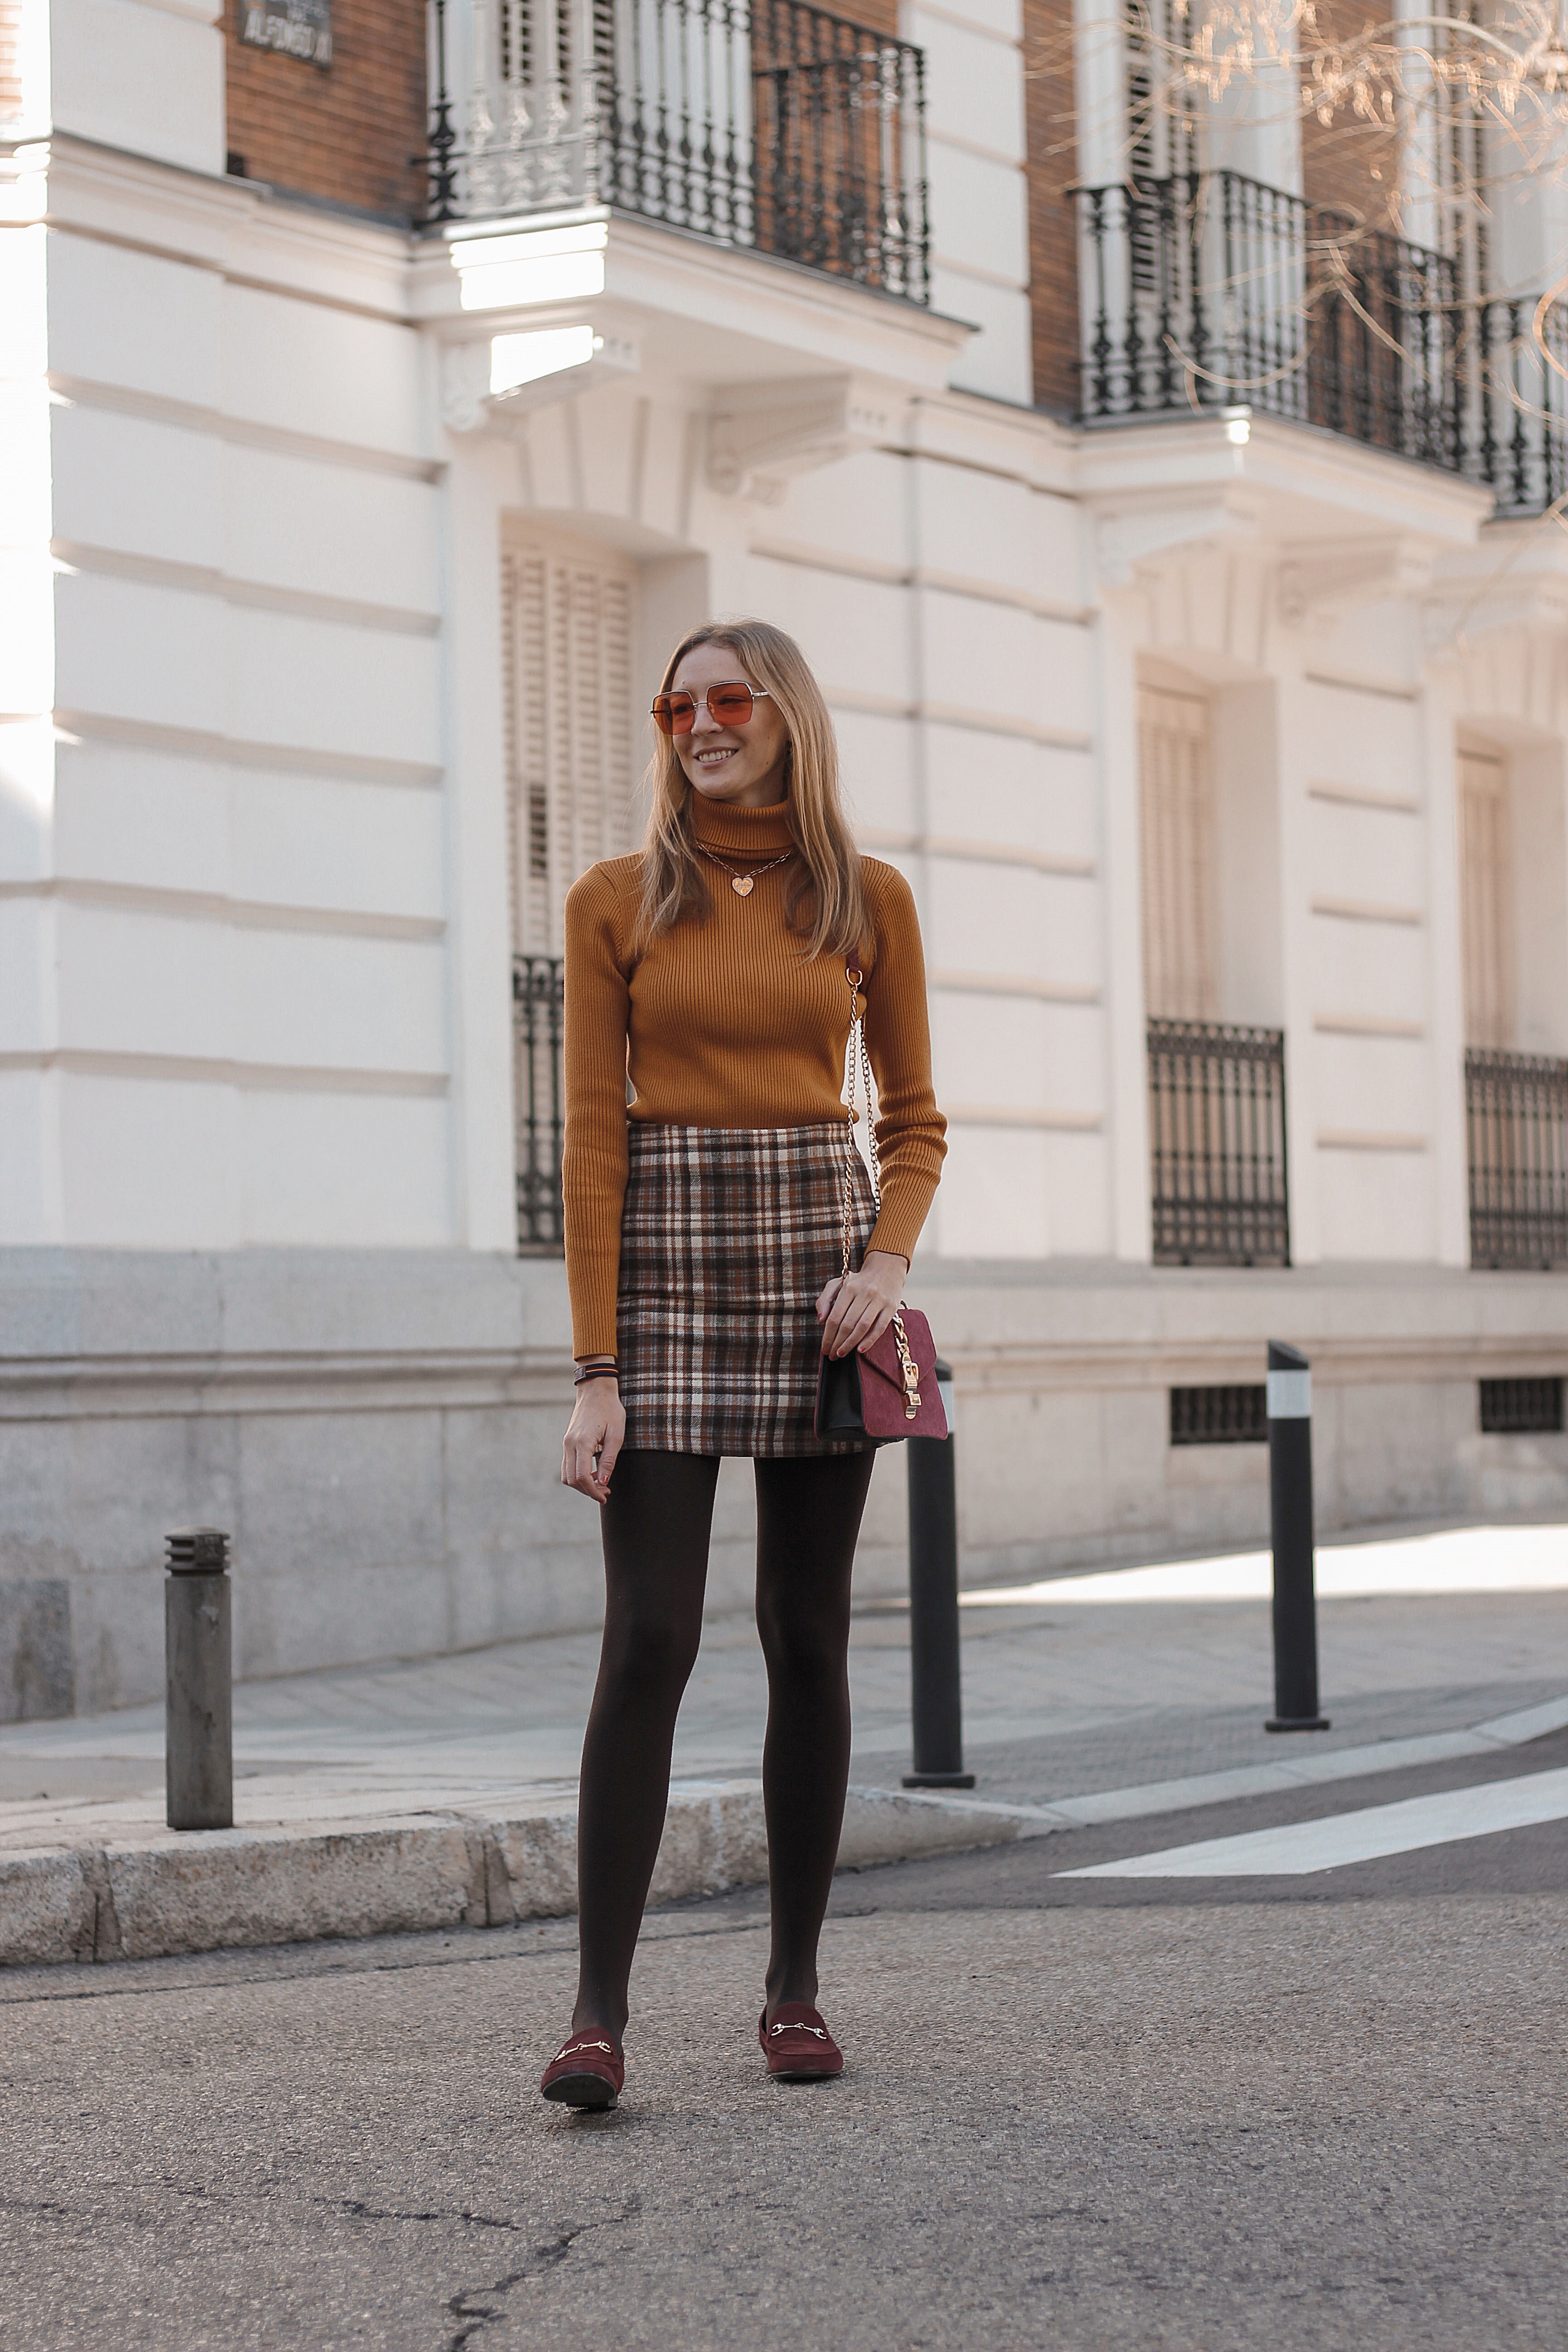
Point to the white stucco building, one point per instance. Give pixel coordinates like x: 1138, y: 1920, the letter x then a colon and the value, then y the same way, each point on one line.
x: 1218, y: 698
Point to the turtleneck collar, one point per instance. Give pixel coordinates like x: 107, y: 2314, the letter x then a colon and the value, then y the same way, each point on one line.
x: 742, y: 831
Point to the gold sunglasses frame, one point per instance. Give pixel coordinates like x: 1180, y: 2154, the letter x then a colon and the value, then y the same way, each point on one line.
x: 699, y: 702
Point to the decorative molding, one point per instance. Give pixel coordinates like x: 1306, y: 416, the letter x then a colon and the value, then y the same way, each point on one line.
x: 468, y: 406
x: 1364, y: 796
x: 978, y: 852
x: 1130, y: 545
x: 1212, y: 598
x: 1050, y: 1122
x: 43, y: 1388
x: 157, y: 408
x: 421, y: 1376
x: 214, y: 906
x: 1361, y: 911
x: 1003, y: 983
x: 257, y: 595
x: 1517, y: 674
x: 760, y: 435
x: 1366, y: 1024
x: 1462, y: 610
x: 240, y: 752
x: 203, y: 1069
x: 1343, y: 682
x: 1320, y: 581
x: 870, y: 705
x: 1345, y: 1138
x: 840, y: 563
x: 997, y: 722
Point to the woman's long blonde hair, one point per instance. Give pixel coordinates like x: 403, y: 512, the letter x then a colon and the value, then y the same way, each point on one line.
x: 673, y: 881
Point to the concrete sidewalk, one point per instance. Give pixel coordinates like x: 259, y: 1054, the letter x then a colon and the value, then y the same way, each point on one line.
x: 443, y: 1793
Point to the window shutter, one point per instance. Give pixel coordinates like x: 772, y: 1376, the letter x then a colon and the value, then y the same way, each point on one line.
x: 570, y: 731
x: 1485, y: 899
x: 1178, y: 855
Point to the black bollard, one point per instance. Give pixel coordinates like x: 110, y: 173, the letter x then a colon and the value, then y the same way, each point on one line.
x: 198, y: 1662
x: 936, y: 1697
x: 1290, y: 1517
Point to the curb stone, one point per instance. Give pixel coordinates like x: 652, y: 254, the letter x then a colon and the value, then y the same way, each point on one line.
x: 164, y: 1891
x: 206, y: 1890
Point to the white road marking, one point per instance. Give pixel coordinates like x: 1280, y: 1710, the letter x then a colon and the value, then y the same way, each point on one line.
x: 1345, y: 1838
x: 1456, y: 1559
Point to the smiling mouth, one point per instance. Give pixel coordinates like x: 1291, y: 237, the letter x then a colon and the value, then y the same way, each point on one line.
x: 712, y: 759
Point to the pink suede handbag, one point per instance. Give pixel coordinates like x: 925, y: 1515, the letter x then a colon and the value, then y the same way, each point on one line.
x: 890, y: 1391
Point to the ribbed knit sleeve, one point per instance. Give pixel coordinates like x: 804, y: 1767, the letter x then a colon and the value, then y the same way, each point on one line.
x: 594, y: 1171
x: 910, y: 1130
x: 722, y: 1021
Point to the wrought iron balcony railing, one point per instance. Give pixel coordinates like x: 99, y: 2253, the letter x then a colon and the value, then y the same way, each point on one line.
x: 767, y: 124
x: 1217, y: 1121
x: 1209, y: 291
x: 1517, y: 1112
x: 538, y: 1091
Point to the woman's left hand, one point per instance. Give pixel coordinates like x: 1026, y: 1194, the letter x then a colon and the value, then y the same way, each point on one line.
x: 855, y: 1309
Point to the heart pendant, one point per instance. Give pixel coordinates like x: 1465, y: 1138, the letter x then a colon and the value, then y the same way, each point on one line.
x: 742, y: 884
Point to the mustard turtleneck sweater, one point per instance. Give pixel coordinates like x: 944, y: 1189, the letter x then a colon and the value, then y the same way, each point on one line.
x: 721, y: 1023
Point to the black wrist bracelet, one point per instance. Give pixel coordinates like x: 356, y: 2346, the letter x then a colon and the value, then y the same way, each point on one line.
x: 610, y: 1371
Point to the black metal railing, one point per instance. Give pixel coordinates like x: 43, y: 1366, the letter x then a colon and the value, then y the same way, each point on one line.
x: 1217, y: 1121
x: 1514, y: 408
x: 1231, y: 1414
x: 767, y: 124
x: 1517, y: 1112
x: 1529, y: 1407
x: 539, y: 1093
x: 1209, y: 291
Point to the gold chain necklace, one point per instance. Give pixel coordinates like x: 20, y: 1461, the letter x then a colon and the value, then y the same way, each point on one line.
x: 741, y: 883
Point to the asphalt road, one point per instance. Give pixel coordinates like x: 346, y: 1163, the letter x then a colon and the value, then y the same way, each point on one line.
x: 1312, y: 2112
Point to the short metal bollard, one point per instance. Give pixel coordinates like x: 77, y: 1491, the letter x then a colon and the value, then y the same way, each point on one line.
x: 936, y: 1696
x: 1290, y: 1517
x: 198, y: 1662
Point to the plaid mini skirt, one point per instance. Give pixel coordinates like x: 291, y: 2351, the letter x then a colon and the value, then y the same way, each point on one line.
x: 728, y: 1236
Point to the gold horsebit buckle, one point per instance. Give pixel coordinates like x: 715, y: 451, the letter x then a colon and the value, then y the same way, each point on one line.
x: 820, y: 2030
x: 910, y: 1369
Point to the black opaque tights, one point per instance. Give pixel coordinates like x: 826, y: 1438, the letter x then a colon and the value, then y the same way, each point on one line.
x: 656, y: 1531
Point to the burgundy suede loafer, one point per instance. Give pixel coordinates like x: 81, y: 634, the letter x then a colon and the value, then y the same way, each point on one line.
x: 587, y: 2071
x: 797, y: 2045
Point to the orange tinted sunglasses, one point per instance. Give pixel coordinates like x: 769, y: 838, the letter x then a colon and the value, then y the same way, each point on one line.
x: 729, y: 704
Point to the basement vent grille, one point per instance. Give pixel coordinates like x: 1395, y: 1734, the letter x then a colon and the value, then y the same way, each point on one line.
x: 1220, y: 1416
x: 1521, y: 1408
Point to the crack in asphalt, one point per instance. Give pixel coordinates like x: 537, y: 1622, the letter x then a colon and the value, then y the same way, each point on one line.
x: 360, y: 2211
x: 476, y: 2314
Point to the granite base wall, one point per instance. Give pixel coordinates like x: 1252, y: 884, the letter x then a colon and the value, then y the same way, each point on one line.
x: 380, y: 1434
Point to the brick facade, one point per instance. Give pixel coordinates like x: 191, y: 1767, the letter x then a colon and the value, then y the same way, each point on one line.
x: 876, y: 15
x: 10, y: 58
x: 343, y: 132
x: 1048, y: 99
x: 1348, y: 165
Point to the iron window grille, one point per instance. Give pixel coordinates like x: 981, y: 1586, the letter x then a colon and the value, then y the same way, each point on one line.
x: 1216, y: 1119
x: 1527, y: 1408
x: 768, y: 124
x: 1237, y: 1414
x: 1517, y: 1113
x: 1209, y: 291
x: 539, y: 1093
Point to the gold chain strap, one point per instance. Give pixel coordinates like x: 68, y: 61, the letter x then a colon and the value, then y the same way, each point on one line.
x: 860, y: 1066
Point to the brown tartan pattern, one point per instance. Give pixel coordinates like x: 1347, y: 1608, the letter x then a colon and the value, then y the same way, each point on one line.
x: 728, y: 1236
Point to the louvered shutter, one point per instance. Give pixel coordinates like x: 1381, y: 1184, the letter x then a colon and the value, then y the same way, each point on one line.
x: 571, y: 735
x: 1485, y: 899
x: 1176, y: 809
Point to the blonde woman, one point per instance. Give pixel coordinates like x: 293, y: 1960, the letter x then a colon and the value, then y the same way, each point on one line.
x: 703, y: 1230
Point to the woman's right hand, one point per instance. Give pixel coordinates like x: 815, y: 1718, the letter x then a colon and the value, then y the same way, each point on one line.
x: 594, y: 1438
